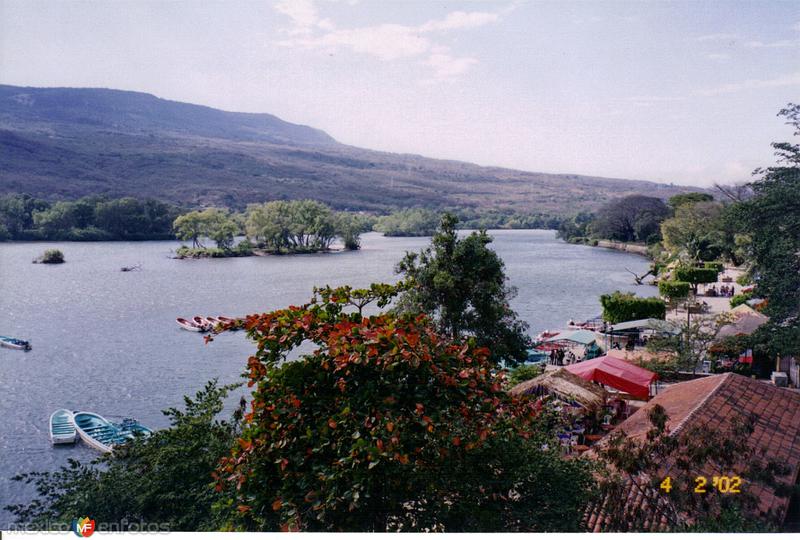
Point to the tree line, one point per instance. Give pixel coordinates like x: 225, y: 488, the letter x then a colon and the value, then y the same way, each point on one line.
x: 280, y: 226
x: 23, y: 217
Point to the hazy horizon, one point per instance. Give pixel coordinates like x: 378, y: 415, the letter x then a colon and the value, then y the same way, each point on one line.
x: 682, y: 93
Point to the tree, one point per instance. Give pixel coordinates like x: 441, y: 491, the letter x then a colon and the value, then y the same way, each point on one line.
x: 221, y: 228
x: 213, y: 223
x: 191, y: 226
x: 772, y: 223
x: 122, y: 218
x: 691, y: 344
x: 621, y: 307
x: 461, y: 284
x: 16, y: 212
x: 695, y: 232
x: 162, y: 483
x: 388, y: 426
x: 349, y: 227
x: 57, y: 220
x: 631, y: 218
x: 409, y: 222
x: 291, y: 225
x: 689, y: 198
x: 576, y: 227
x: 674, y: 291
x: 695, y: 275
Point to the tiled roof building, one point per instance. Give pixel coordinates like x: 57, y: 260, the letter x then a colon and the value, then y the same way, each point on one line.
x: 715, y: 402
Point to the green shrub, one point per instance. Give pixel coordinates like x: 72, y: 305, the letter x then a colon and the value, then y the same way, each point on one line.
x: 695, y: 275
x: 88, y: 234
x: 244, y: 248
x: 739, y: 299
x: 620, y: 307
x: 715, y: 265
x: 52, y: 256
x: 674, y: 289
x: 185, y: 252
x: 524, y: 373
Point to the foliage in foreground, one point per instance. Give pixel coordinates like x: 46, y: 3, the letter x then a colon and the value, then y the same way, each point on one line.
x: 388, y: 425
x: 163, y: 481
x: 461, y: 284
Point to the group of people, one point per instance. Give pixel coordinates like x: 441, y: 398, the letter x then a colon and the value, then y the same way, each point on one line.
x: 724, y: 290
x: 559, y: 357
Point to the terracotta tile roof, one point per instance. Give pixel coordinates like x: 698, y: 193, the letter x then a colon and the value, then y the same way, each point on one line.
x: 716, y: 401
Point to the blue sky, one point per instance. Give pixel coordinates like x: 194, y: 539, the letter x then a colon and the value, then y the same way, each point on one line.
x: 682, y: 92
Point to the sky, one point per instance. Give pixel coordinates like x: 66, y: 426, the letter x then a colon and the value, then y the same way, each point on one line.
x: 676, y: 92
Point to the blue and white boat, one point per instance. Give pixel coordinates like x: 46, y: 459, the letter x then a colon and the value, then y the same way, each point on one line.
x: 14, y: 343
x: 103, y: 435
x: 62, y: 428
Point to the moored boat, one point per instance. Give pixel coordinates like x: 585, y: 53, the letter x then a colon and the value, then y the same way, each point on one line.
x: 213, y: 320
x: 103, y: 435
x: 188, y: 325
x: 14, y: 343
x: 130, y: 428
x: 202, y: 323
x: 62, y: 427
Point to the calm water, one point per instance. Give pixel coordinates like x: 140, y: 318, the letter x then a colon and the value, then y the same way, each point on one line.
x: 106, y: 341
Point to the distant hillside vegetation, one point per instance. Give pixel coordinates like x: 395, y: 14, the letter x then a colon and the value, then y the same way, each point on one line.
x: 67, y: 143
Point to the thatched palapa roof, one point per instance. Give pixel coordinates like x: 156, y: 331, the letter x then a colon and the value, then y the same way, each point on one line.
x: 566, y: 386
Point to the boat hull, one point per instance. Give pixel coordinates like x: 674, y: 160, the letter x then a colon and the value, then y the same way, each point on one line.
x: 89, y: 426
x: 188, y: 325
x: 103, y: 435
x: 62, y: 427
x: 13, y: 343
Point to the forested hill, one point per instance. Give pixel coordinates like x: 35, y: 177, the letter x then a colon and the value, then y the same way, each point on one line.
x: 67, y: 143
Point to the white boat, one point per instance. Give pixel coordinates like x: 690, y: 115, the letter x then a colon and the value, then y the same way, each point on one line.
x: 103, y: 435
x: 62, y: 427
x: 14, y: 343
x: 204, y: 324
x: 188, y: 325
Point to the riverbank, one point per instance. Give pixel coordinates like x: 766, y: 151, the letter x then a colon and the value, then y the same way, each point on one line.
x: 628, y: 247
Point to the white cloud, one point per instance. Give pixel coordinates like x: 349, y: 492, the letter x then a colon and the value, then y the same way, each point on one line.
x: 717, y: 37
x: 387, y: 42
x: 459, y: 20
x: 717, y: 56
x: 303, y: 14
x: 792, y: 79
x: 446, y: 66
x: 784, y: 43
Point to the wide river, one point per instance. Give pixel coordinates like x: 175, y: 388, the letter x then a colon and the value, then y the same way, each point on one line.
x: 106, y: 341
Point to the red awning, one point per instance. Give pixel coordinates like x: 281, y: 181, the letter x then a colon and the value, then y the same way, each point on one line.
x: 617, y: 374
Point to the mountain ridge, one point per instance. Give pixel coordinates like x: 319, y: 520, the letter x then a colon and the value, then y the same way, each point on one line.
x: 70, y: 142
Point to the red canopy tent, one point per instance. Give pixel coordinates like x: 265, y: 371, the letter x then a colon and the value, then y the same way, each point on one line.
x: 616, y: 373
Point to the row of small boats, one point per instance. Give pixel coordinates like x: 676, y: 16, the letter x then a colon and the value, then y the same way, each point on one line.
x: 67, y: 426
x: 203, y: 324
x: 14, y: 343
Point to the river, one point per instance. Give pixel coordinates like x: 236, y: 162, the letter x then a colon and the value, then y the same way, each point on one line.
x: 106, y: 341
